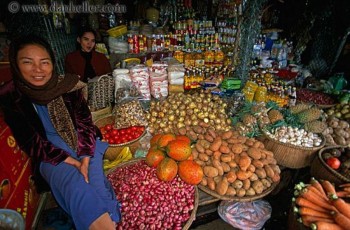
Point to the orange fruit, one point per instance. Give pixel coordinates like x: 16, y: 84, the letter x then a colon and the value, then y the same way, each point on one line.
x: 155, y: 138
x: 190, y: 172
x: 179, y: 150
x: 165, y: 139
x: 154, y: 157
x: 184, y: 138
x: 167, y: 169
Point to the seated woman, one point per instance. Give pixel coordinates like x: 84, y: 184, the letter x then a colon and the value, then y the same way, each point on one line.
x: 86, y: 62
x: 51, y: 122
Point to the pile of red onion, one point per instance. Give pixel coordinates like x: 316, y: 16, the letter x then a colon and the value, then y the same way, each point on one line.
x: 316, y: 97
x: 147, y: 202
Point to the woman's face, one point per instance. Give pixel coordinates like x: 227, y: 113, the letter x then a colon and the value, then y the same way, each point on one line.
x: 35, y: 64
x: 87, y: 41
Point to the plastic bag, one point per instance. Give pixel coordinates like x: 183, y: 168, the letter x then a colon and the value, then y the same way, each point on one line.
x: 144, y: 145
x: 245, y: 215
x: 140, y: 78
x: 129, y: 112
x: 125, y: 90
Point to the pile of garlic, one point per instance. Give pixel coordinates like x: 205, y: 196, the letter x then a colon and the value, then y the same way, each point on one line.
x: 295, y: 136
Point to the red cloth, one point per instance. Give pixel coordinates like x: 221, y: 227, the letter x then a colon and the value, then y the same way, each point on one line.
x: 75, y: 63
x: 5, y: 73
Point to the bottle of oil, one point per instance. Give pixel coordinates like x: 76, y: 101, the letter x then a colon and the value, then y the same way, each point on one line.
x: 188, y: 59
x: 209, y: 57
x: 219, y: 57
x: 187, y: 80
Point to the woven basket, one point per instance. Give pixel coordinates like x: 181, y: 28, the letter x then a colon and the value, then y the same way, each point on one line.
x: 291, y: 156
x: 189, y: 222
x: 320, y: 170
x: 325, y: 106
x: 101, y: 113
x: 114, y: 149
x: 236, y: 198
x: 100, y: 92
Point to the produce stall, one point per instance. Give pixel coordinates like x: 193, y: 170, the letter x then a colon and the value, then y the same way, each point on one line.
x: 239, y: 136
x: 205, y: 110
x: 236, y: 157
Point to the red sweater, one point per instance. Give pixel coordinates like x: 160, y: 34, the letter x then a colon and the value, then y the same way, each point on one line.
x: 75, y: 63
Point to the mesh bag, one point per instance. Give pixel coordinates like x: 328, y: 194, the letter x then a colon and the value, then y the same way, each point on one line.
x: 100, y: 92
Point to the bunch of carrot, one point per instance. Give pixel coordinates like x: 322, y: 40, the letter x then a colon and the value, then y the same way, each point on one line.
x: 319, y: 206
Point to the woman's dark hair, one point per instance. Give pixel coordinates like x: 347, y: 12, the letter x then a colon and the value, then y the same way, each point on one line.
x: 86, y: 30
x: 19, y: 43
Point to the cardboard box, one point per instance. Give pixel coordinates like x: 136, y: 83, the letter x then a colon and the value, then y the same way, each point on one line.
x: 18, y: 191
x: 24, y: 197
x: 12, y: 158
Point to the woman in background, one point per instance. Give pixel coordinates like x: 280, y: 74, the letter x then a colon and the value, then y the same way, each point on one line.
x: 86, y: 62
x: 51, y: 122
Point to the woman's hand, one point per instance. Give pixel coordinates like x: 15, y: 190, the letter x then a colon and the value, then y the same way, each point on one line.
x: 82, y: 166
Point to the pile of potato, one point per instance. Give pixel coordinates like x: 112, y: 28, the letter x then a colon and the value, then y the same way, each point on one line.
x: 234, y: 165
x: 338, y: 131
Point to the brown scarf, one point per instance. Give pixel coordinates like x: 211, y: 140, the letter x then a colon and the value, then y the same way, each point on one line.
x: 51, y: 95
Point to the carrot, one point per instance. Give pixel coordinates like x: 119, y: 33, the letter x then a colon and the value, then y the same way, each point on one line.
x: 347, y: 189
x: 341, y: 206
x: 312, y: 212
x: 328, y: 187
x: 343, y: 194
x: 319, y: 193
x: 315, y: 183
x: 314, y: 198
x: 322, y: 225
x: 344, y: 185
x: 341, y: 219
x: 308, y: 220
x: 302, y: 202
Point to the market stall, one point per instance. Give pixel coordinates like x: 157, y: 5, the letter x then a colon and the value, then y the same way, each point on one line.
x: 204, y: 107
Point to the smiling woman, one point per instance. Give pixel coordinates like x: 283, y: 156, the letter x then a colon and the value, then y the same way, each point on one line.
x: 50, y: 120
x: 35, y: 65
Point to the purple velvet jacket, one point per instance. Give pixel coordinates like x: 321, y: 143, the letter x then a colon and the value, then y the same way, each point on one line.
x: 28, y: 130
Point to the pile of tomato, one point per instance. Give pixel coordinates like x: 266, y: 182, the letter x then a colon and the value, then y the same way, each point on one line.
x: 119, y: 136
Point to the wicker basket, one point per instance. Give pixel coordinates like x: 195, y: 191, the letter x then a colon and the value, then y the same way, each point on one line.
x: 101, y: 113
x: 114, y: 149
x: 291, y: 156
x: 189, y: 222
x: 236, y: 198
x: 100, y: 92
x: 325, y: 106
x: 320, y: 170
